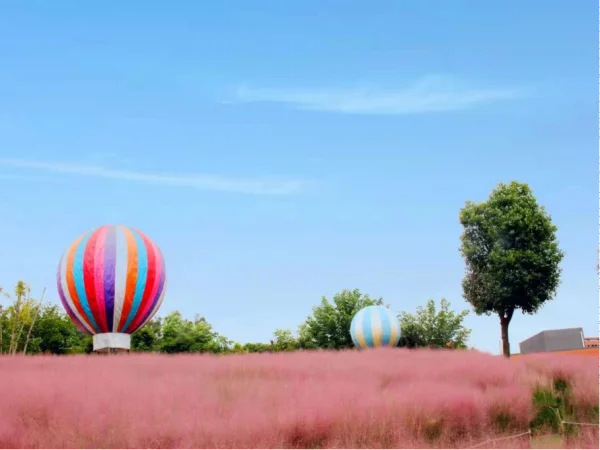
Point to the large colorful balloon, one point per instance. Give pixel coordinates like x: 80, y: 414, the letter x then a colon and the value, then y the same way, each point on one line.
x: 375, y: 326
x: 111, y: 282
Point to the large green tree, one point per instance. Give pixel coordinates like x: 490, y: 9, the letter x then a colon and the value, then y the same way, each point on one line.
x: 511, y: 252
x: 55, y: 333
x: 434, y: 328
x: 328, y: 327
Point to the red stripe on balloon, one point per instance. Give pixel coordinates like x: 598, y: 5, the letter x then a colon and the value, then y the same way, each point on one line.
x: 150, y: 281
x: 158, y: 285
x: 88, y: 274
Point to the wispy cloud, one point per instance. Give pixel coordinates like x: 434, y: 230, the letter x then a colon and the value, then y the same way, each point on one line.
x: 254, y: 186
x: 430, y: 94
x: 31, y: 178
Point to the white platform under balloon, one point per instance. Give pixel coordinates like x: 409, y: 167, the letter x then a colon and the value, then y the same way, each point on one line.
x: 112, y: 342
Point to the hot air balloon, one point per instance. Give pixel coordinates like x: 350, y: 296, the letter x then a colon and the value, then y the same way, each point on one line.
x: 375, y: 326
x: 111, y: 282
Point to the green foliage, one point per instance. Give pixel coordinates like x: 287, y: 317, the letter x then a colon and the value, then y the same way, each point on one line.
x: 557, y: 410
x: 511, y: 252
x: 327, y: 328
x: 329, y: 325
x: 434, y: 328
x: 55, y: 333
x: 284, y: 341
x: 253, y: 347
x: 185, y: 336
x: 547, y: 405
x: 503, y: 421
x: 147, y: 339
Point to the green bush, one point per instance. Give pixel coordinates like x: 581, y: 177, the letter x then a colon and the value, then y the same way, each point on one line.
x: 556, y: 406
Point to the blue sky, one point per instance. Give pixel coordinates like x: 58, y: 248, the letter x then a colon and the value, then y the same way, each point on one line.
x: 281, y: 151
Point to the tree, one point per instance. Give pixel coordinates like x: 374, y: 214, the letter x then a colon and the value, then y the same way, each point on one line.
x: 22, y: 291
x: 253, y: 347
x: 16, y: 318
x: 147, y: 339
x: 35, y: 316
x: 284, y: 341
x: 329, y: 325
x: 177, y: 334
x: 3, y: 319
x: 511, y: 253
x: 432, y: 328
x: 55, y: 333
x: 180, y: 335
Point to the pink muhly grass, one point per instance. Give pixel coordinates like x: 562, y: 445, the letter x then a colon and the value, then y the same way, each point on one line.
x: 580, y: 374
x: 387, y: 398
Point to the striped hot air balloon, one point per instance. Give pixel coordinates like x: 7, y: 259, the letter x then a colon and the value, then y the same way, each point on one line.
x: 375, y: 326
x: 111, y: 282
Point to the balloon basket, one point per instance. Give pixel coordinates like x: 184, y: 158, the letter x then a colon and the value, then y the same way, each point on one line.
x: 111, y: 343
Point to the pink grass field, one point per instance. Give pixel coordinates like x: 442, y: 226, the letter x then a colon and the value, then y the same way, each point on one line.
x: 388, y: 398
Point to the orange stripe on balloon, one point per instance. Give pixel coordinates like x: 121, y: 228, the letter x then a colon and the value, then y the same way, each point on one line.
x: 132, y: 274
x: 71, y: 280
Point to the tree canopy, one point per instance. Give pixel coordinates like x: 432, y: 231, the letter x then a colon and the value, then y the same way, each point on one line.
x: 434, y: 328
x: 328, y: 327
x: 511, y: 252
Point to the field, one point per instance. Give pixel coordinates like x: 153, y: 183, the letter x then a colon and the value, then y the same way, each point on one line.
x: 373, y: 399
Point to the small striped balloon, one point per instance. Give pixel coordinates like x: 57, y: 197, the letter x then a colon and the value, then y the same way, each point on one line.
x: 111, y: 280
x: 375, y: 326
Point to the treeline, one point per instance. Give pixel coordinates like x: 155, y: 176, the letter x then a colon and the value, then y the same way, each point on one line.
x: 512, y: 261
x: 31, y: 326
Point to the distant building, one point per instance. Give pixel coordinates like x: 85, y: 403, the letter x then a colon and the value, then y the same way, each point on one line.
x: 555, y: 340
x: 591, y: 342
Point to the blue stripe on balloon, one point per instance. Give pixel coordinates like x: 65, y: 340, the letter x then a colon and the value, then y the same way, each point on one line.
x: 386, y: 326
x: 142, y: 274
x: 367, y: 327
x: 79, y: 282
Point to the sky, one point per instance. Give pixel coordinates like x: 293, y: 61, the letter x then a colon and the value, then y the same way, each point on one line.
x: 278, y: 152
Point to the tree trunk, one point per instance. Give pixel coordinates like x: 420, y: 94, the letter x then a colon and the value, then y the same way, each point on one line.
x: 18, y: 338
x: 13, y: 331
x: 22, y: 292
x: 2, y: 293
x: 504, y: 322
x: 37, y: 312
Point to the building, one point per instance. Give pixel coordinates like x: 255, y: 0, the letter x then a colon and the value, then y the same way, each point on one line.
x: 591, y: 342
x: 555, y: 340
x: 585, y: 352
